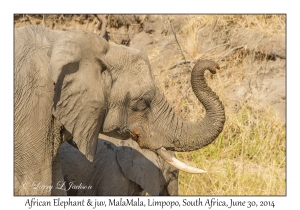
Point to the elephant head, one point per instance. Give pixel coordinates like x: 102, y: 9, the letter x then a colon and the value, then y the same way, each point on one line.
x: 138, y: 109
x: 147, y: 169
x: 119, y: 168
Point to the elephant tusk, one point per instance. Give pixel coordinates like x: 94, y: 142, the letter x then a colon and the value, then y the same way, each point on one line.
x: 164, y: 154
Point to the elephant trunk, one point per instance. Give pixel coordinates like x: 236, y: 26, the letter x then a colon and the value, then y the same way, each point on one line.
x: 184, y: 136
x: 203, y: 133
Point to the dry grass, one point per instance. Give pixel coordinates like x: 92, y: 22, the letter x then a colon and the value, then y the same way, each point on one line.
x: 248, y: 158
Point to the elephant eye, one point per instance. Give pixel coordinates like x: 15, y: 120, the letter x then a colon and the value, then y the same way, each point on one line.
x: 142, y: 104
x: 148, y: 102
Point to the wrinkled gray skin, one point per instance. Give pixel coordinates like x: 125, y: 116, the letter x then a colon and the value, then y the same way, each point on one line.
x: 74, y: 84
x: 120, y: 167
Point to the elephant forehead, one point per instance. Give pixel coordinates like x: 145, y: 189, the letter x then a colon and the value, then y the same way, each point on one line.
x: 135, y: 84
x: 140, y: 79
x: 139, y: 66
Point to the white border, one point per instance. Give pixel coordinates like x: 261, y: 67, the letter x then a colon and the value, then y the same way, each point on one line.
x: 154, y: 6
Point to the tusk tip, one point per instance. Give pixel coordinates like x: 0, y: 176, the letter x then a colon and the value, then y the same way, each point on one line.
x: 200, y: 171
x: 162, y: 152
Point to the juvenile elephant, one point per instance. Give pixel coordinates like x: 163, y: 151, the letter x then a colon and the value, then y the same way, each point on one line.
x: 74, y: 84
x: 120, y: 167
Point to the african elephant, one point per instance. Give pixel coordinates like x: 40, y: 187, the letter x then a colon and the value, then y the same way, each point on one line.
x: 120, y: 167
x: 74, y: 84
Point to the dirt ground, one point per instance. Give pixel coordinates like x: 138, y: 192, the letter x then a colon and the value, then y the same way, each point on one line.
x: 253, y: 61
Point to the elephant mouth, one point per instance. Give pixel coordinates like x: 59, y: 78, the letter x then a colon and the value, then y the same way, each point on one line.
x: 134, y: 135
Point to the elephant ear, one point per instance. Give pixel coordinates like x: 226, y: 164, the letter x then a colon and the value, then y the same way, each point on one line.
x: 80, y: 76
x: 140, y: 166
